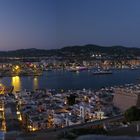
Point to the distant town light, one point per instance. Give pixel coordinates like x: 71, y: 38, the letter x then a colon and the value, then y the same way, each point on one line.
x: 16, y: 67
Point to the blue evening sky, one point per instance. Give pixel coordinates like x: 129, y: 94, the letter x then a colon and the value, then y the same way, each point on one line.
x: 57, y: 23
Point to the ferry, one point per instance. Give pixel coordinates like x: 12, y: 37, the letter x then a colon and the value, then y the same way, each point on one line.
x: 30, y: 74
x: 102, y: 72
x: 77, y: 69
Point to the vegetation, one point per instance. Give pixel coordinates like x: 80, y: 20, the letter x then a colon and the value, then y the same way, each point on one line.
x: 78, y: 51
x: 71, y: 99
x: 74, y: 133
x: 132, y: 114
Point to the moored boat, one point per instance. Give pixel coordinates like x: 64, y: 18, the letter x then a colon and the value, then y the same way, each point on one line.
x: 102, y: 72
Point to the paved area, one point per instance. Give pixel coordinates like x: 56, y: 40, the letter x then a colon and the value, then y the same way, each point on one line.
x: 12, y: 123
x: 125, y: 131
x: 93, y: 137
x: 39, y: 136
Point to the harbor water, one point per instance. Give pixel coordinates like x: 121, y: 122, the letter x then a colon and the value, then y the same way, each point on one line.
x: 72, y: 80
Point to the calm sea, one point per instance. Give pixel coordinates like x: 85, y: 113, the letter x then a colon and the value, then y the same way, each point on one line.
x: 70, y: 80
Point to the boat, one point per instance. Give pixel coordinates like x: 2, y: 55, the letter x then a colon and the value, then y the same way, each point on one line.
x: 73, y: 70
x: 31, y: 73
x: 134, y: 68
x: 48, y: 69
x: 77, y: 69
x: 102, y: 72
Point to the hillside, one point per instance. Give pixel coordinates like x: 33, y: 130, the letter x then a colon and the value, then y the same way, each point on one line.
x: 86, y: 50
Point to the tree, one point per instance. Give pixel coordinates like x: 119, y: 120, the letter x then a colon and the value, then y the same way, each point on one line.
x: 71, y: 99
x: 132, y: 114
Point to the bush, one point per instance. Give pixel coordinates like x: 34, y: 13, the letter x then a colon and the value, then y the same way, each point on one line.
x: 132, y: 114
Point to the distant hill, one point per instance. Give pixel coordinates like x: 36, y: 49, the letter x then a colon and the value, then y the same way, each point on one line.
x: 86, y: 50
x: 113, y: 50
x: 32, y: 52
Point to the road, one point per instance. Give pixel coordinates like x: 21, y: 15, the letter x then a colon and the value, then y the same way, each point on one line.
x: 53, y: 133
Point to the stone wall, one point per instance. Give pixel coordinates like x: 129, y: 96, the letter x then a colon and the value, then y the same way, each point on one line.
x: 124, y: 100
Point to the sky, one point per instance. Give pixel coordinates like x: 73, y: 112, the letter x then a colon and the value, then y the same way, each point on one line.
x: 50, y: 24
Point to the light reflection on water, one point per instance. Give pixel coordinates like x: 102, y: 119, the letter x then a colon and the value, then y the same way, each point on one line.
x: 16, y: 82
x: 35, y: 83
x: 70, y: 80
